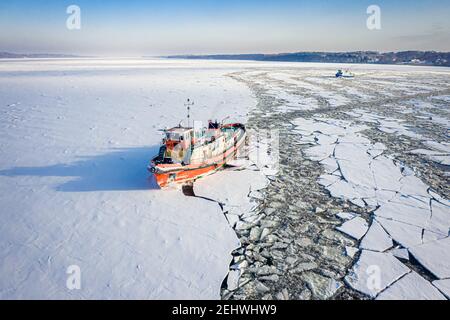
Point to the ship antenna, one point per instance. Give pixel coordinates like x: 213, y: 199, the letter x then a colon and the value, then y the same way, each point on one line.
x: 188, y: 105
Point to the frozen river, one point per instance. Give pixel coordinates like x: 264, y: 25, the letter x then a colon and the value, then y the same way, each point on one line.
x: 356, y: 206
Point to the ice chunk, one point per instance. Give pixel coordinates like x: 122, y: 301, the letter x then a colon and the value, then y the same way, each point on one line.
x: 355, y: 228
x: 405, y: 234
x: 401, y: 253
x: 411, y: 215
x: 232, y: 188
x: 347, y: 191
x: 346, y: 215
x: 322, y: 287
x: 443, y: 286
x: 413, y: 186
x: 330, y: 165
x: 443, y: 146
x: 428, y: 236
x: 411, y: 287
x: 351, y: 251
x: 374, y: 271
x: 440, y: 218
x: 434, y: 256
x: 327, y: 180
x: 233, y: 279
x: 320, y: 152
x: 376, y: 150
x: 386, y: 174
x: 376, y: 239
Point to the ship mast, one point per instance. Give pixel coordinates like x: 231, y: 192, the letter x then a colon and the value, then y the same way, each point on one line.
x: 188, y: 105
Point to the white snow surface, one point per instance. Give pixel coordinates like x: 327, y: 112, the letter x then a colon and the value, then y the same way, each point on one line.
x: 76, y: 137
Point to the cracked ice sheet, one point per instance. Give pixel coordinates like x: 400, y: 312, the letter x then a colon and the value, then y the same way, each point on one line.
x: 368, y: 265
x: 406, y: 234
x: 411, y: 287
x: 434, y: 256
x: 443, y: 286
x: 376, y: 239
x: 395, y: 126
x: 263, y: 151
x: 293, y: 101
x: 333, y: 98
x: 440, y: 152
x: 367, y: 178
x: 416, y: 213
x: 387, y: 125
x: 232, y: 188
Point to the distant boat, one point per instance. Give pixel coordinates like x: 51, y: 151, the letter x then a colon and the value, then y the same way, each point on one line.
x: 344, y: 74
x: 187, y: 153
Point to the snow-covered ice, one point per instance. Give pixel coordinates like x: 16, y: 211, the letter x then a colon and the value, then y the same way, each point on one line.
x: 401, y: 253
x: 427, y: 254
x: 375, y: 271
x: 355, y: 228
x: 76, y: 137
x: 346, y: 215
x: 376, y: 238
x: 411, y: 287
x: 376, y: 152
x: 443, y: 286
x: 232, y: 189
x: 351, y: 251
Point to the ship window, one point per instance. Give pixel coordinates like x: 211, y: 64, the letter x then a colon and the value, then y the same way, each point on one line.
x: 173, y: 136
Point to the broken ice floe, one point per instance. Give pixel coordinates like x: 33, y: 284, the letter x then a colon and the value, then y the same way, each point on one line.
x: 232, y: 189
x: 351, y: 251
x: 434, y: 256
x: 355, y: 228
x: 411, y: 287
x: 322, y: 287
x: 405, y: 208
x: 443, y: 286
x: 374, y: 181
x: 375, y: 271
x: 352, y: 163
x: 376, y: 239
x: 439, y: 153
x: 239, y: 191
x: 401, y: 253
x: 346, y: 215
x: 233, y: 279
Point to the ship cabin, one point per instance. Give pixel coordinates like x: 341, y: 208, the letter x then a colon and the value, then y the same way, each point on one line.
x: 183, y: 136
x: 179, y: 143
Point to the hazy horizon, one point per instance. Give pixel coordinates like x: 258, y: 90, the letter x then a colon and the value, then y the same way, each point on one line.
x: 179, y: 27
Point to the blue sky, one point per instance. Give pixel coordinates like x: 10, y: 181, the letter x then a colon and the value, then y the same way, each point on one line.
x: 138, y: 27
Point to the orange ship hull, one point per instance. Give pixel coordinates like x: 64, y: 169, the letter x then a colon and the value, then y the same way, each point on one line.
x: 164, y: 179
